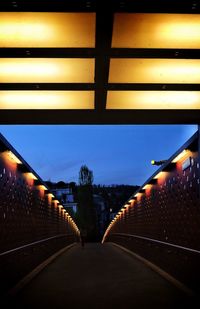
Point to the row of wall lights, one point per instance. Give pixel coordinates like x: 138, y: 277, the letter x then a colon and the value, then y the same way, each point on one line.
x: 17, y: 161
x: 142, y: 190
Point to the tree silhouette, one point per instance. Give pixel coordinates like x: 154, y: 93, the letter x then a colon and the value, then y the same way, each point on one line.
x: 86, y: 215
x: 85, y: 176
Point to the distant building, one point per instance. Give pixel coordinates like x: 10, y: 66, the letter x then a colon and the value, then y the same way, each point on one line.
x: 64, y: 194
x: 66, y: 197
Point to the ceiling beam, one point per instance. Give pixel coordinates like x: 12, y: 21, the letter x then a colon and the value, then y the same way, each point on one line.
x: 104, y: 24
x: 104, y: 117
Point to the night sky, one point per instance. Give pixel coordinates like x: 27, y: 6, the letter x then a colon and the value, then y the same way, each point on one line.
x: 117, y: 154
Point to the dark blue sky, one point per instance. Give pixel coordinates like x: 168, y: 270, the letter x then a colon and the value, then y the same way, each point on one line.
x: 117, y: 154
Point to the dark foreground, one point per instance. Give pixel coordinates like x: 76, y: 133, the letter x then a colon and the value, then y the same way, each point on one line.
x: 100, y: 276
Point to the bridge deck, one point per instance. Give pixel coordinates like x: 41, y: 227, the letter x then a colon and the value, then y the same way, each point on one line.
x: 99, y: 276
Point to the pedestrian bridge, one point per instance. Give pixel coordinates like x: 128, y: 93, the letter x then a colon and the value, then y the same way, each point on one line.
x: 100, y: 276
x: 149, y: 255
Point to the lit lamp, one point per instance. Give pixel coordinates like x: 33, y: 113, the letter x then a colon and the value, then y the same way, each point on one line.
x: 153, y: 162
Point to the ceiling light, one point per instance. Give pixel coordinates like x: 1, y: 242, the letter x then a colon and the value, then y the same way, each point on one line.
x: 38, y: 29
x: 153, y: 100
x: 46, y: 70
x: 154, y: 71
x: 46, y: 99
x: 147, y: 30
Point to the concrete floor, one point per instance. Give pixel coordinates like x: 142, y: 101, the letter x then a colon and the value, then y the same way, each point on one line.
x: 99, y: 276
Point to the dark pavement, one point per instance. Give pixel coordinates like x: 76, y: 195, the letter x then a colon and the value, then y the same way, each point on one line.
x: 99, y: 276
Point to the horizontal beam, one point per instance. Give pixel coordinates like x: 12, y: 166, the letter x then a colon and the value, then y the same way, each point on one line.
x: 47, y: 86
x: 104, y: 117
x: 155, y: 53
x: 48, y: 6
x: 47, y: 53
x: 156, y: 6
x: 92, y: 53
x: 142, y: 86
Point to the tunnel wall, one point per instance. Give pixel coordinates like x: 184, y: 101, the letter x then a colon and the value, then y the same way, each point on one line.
x: 33, y: 224
x: 161, y: 222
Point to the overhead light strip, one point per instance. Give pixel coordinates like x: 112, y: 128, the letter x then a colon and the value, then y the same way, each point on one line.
x: 149, y: 30
x: 38, y: 29
x: 46, y: 70
x: 47, y: 99
x: 140, y: 70
x: 153, y: 100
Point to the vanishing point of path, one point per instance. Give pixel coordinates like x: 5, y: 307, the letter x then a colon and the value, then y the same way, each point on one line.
x: 99, y: 276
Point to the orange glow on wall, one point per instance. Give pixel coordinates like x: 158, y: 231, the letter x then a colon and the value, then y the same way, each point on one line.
x: 11, y: 164
x: 159, y: 175
x: 13, y: 157
x: 147, y: 189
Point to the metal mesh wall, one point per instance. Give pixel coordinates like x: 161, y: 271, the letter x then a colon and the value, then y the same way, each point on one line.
x: 163, y: 223
x: 32, y: 225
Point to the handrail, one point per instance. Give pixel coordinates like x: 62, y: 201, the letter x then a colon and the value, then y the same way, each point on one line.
x: 33, y: 243
x: 158, y: 241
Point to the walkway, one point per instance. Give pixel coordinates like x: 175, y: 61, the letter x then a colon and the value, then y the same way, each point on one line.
x: 99, y: 276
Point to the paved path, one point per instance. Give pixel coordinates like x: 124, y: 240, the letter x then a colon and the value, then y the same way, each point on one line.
x: 99, y: 276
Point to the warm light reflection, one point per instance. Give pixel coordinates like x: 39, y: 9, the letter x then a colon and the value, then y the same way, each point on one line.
x: 46, y: 99
x: 31, y: 176
x: 159, y: 175
x: 147, y: 186
x: 180, y: 156
x: 13, y: 157
x: 153, y: 100
x: 27, y: 29
x: 144, y: 30
x: 126, y: 205
x: 138, y: 194
x: 154, y: 71
x: 46, y: 70
x: 42, y: 187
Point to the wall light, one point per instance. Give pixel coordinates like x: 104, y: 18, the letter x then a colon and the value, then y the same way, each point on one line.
x: 147, y: 186
x: 159, y: 175
x: 51, y: 195
x: 42, y: 187
x: 126, y: 205
x: 138, y: 194
x: 180, y: 155
x: 13, y: 157
x: 32, y: 176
